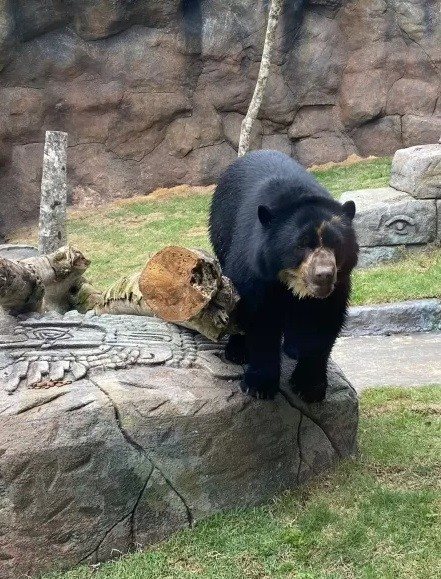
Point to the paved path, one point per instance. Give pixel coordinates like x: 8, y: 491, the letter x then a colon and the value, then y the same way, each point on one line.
x: 413, y: 360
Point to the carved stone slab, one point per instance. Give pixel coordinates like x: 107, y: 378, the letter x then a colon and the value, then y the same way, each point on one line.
x: 40, y: 350
x: 116, y: 431
x: 387, y: 217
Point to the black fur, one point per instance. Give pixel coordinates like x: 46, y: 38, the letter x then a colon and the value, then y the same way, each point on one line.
x: 265, y: 213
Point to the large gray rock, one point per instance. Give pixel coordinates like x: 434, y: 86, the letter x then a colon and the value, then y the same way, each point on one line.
x: 389, y: 217
x: 417, y: 170
x: 117, y: 431
x: 151, y: 92
x: 372, y: 256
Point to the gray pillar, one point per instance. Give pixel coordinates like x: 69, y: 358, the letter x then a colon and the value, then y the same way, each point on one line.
x: 53, y: 193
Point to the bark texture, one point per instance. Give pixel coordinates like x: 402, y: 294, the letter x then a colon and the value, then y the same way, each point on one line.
x: 262, y: 79
x: 56, y: 277
x: 53, y: 193
x: 21, y: 289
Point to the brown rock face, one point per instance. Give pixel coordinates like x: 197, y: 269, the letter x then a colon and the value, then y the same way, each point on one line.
x: 152, y: 92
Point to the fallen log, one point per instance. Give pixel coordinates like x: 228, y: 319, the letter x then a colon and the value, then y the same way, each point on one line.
x: 21, y: 289
x: 186, y: 287
x: 182, y: 286
x: 61, y: 273
x: 179, y: 285
x: 42, y: 283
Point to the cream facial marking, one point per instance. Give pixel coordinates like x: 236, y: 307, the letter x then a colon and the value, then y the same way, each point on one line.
x: 315, y: 277
x: 294, y: 279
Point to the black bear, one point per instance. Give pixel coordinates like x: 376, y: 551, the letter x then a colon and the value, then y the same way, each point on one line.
x: 289, y: 248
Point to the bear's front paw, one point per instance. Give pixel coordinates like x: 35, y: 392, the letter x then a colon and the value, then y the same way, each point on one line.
x: 309, y: 385
x: 236, y: 350
x: 264, y: 387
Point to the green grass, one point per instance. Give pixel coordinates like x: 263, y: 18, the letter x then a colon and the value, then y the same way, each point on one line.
x: 418, y: 276
x: 118, y: 238
x: 363, y: 175
x: 375, y: 518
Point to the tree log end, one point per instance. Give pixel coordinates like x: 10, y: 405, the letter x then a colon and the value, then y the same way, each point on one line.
x: 177, y: 283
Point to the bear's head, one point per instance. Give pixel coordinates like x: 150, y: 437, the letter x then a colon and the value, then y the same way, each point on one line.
x: 311, y: 246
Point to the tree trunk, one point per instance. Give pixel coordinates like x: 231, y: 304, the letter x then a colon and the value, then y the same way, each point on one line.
x: 256, y: 101
x: 53, y: 193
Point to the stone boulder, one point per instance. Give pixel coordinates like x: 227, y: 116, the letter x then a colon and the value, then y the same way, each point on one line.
x: 117, y: 431
x: 405, y: 217
x: 417, y: 171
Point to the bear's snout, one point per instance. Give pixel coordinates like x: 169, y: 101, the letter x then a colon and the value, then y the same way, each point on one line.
x: 315, y: 277
x: 321, y: 273
x: 324, y: 275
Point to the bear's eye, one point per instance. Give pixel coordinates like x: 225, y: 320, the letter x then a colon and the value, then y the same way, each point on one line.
x: 297, y: 256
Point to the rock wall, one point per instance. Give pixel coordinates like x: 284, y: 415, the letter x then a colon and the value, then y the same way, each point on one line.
x: 152, y: 92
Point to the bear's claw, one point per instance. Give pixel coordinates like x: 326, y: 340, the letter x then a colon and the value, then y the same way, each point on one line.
x: 259, y: 393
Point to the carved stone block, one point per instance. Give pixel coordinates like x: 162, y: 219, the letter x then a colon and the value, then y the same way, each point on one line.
x: 371, y: 256
x: 387, y: 217
x: 115, y: 431
x: 417, y: 171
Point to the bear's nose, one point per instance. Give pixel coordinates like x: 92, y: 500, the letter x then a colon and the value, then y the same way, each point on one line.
x: 324, y: 275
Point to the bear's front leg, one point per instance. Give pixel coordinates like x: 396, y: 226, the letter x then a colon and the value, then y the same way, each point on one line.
x: 290, y: 343
x: 262, y: 376
x: 309, y: 379
x: 236, y: 349
x: 311, y: 328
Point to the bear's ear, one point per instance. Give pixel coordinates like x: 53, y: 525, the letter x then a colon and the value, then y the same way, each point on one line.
x: 349, y: 209
x: 264, y: 215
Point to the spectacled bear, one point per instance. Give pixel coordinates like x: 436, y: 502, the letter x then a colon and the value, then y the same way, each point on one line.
x: 289, y: 249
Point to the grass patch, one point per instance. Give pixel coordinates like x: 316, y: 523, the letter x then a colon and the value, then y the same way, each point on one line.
x: 417, y: 276
x: 362, y: 175
x: 120, y: 237
x: 374, y: 518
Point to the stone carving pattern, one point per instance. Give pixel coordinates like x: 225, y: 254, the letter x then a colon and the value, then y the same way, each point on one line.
x: 398, y: 224
x: 38, y: 351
